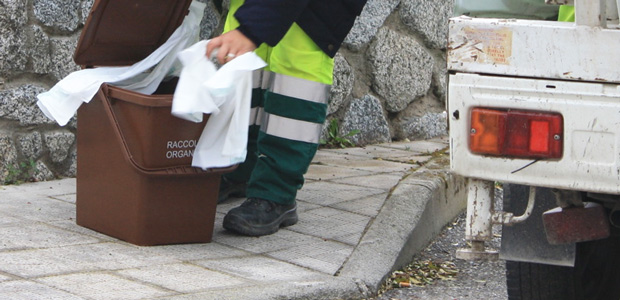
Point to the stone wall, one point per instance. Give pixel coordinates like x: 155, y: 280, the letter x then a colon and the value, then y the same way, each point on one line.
x: 390, y: 78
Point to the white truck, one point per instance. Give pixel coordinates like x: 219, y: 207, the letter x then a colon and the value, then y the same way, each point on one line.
x: 535, y: 106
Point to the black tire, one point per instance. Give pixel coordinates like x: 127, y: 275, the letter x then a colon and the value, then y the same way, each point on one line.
x: 597, y: 269
x: 596, y: 275
x: 531, y: 281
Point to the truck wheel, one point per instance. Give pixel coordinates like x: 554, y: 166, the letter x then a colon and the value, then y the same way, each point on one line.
x: 596, y: 275
x: 532, y: 281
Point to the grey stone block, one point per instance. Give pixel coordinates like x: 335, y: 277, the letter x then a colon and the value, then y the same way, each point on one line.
x: 429, y: 19
x: 402, y: 69
x: 343, y: 83
x: 365, y: 115
x: 60, y: 15
x: 428, y: 126
x: 13, y: 50
x: 440, y: 79
x: 8, y: 152
x: 72, y: 170
x: 59, y: 143
x: 366, y: 25
x: 14, y: 14
x: 20, y: 104
x: 13, y: 53
x: 30, y: 145
x: 39, y: 51
x: 61, y: 57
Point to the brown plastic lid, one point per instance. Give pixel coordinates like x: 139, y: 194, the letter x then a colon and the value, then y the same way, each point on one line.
x: 120, y: 32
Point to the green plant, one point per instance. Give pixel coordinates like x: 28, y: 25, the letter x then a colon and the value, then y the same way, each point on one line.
x: 20, y: 173
x: 334, y: 139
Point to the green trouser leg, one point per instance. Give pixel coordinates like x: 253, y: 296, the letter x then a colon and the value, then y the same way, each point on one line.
x: 285, y: 152
x: 279, y: 171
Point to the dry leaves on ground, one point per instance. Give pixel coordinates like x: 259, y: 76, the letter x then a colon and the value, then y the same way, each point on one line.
x: 421, y: 273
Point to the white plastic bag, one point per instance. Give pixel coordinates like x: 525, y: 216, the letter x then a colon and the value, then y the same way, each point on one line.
x: 225, y: 94
x: 62, y: 101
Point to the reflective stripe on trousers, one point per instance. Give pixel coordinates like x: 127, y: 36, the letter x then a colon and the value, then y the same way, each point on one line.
x: 291, y: 124
x: 290, y: 116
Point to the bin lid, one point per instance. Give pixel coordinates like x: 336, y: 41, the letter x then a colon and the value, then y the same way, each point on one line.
x: 119, y: 32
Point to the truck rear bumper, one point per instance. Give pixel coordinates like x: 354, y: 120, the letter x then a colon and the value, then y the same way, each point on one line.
x: 591, y: 113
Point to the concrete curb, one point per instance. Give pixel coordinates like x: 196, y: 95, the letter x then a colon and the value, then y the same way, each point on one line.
x: 404, y: 226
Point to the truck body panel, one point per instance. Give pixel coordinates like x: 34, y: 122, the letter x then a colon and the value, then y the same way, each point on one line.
x: 591, y: 113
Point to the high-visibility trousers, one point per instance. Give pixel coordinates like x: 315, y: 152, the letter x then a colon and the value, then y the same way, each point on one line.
x: 289, y: 106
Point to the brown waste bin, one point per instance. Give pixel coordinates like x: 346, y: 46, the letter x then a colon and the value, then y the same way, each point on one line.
x: 134, y: 176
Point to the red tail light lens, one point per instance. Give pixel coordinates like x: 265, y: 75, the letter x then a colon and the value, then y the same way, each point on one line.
x: 516, y: 133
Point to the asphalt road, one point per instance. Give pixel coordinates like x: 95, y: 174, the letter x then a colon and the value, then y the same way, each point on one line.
x: 473, y: 279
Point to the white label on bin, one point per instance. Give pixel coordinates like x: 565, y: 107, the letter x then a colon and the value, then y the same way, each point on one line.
x: 180, y: 149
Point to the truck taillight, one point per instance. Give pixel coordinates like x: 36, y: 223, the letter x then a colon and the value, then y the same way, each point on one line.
x: 516, y: 133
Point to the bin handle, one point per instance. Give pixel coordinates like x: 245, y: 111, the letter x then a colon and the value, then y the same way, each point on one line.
x: 104, y: 91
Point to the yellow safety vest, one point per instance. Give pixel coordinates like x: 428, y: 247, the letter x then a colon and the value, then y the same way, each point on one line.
x: 567, y: 13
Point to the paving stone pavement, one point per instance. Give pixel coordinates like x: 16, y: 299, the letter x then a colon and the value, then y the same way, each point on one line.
x: 363, y: 212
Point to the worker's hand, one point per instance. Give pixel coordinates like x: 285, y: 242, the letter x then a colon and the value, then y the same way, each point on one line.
x: 231, y: 45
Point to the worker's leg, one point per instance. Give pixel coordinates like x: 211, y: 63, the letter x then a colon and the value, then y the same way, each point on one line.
x: 234, y: 184
x: 295, y: 107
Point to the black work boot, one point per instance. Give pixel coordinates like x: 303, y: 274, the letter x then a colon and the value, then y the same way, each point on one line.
x: 229, y: 188
x: 256, y: 217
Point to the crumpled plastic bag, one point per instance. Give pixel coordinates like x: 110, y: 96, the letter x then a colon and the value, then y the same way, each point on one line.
x: 226, y: 95
x: 62, y: 101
